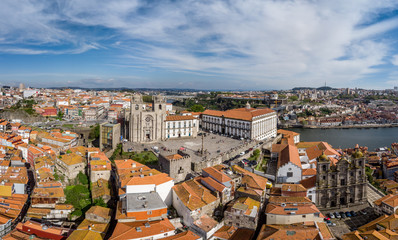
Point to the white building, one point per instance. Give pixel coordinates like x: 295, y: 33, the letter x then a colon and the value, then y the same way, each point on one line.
x: 310, y: 185
x: 160, y: 183
x: 181, y: 126
x: 386, y: 205
x: 289, y: 210
x: 289, y: 165
x: 245, y: 122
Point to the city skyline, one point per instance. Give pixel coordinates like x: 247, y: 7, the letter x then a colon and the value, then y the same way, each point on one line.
x: 199, y: 45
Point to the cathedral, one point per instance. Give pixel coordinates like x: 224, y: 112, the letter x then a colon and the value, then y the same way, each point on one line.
x: 152, y: 124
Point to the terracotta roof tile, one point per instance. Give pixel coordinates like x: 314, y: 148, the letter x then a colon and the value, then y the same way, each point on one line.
x: 240, y: 113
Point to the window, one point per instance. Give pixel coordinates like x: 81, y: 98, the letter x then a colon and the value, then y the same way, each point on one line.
x: 342, y: 181
x: 333, y: 176
x: 289, y: 174
x: 149, y: 213
x: 304, y: 216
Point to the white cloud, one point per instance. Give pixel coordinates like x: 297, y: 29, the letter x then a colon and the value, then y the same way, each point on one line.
x: 275, y: 44
x: 394, y: 60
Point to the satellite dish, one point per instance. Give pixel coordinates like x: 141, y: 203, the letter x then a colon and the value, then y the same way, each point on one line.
x: 283, y: 204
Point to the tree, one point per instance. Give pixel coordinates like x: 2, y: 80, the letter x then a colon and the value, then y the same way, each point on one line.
x: 197, y: 108
x: 78, y: 196
x: 60, y: 115
x: 293, y: 98
x: 82, y: 178
x: 256, y: 152
x: 99, y: 202
x: 95, y: 132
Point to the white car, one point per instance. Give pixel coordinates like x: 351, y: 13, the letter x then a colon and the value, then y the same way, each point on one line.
x: 242, y: 153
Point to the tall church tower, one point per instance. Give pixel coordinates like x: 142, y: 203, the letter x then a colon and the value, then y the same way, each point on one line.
x: 147, y: 123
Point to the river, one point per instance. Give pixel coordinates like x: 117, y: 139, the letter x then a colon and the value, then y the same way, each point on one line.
x: 347, y: 138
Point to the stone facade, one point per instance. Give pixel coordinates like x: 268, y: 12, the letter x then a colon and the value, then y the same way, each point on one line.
x: 342, y: 184
x: 177, y: 165
x: 241, y: 215
x: 147, y: 125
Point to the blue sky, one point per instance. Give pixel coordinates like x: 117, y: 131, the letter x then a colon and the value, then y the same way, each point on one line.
x: 253, y: 44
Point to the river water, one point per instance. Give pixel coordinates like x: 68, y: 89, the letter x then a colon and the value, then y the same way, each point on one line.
x: 347, y: 138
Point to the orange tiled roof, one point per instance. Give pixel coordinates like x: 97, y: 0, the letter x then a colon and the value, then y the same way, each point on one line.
x: 289, y: 154
x: 214, y: 173
x: 309, y: 182
x: 174, y: 157
x: 154, y: 179
x: 299, y: 231
x: 251, y: 180
x: 319, y: 149
x: 212, y: 183
x: 309, y: 172
x: 299, y: 209
x: 391, y: 200
x: 293, y: 187
x: 179, y: 117
x: 240, y: 113
x: 188, y: 235
x: 139, y: 230
x: 193, y: 195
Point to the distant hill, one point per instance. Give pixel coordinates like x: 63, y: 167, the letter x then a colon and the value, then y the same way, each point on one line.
x: 302, y: 88
x: 324, y: 88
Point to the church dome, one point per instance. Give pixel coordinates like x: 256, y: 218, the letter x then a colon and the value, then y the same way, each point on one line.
x: 357, y: 154
x: 323, y: 157
x: 248, y: 105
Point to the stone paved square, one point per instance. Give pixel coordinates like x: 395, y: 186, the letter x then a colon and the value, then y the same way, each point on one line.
x: 214, y: 145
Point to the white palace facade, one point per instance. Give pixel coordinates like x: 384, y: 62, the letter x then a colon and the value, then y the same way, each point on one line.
x: 249, y: 123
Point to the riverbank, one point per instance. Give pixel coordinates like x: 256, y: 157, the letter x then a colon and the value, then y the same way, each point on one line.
x: 341, y: 127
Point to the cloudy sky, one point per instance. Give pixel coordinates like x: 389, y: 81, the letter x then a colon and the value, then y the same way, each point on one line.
x: 200, y: 44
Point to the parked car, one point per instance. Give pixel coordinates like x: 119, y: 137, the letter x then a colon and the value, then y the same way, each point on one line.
x: 245, y: 162
x: 326, y: 219
x: 331, y: 215
x: 353, y: 213
x: 343, y: 216
x: 331, y: 224
x: 348, y: 214
x: 337, y: 215
x: 253, y: 163
x: 242, y: 153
